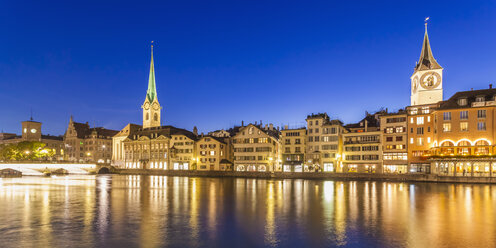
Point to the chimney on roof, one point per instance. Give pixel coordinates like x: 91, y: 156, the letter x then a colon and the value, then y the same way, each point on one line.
x: 472, y: 89
x: 490, y: 86
x: 260, y: 122
x: 266, y: 127
x: 366, y: 125
x: 277, y: 128
x: 242, y: 123
x: 271, y: 126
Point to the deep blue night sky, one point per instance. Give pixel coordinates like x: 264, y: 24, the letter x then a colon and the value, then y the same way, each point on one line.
x: 220, y: 62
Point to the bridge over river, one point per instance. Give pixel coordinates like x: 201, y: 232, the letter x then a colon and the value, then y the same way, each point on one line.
x: 38, y: 169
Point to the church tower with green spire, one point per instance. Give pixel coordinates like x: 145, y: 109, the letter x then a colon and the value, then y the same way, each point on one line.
x: 427, y: 77
x: 151, y: 107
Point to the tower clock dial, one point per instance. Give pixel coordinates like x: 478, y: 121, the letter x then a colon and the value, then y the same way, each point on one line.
x: 147, y: 105
x: 155, y: 106
x: 430, y: 80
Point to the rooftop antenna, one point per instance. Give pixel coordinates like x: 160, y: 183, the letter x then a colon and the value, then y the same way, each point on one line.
x: 31, y: 118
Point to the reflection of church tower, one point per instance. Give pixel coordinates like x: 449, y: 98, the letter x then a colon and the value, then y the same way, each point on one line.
x: 151, y: 107
x: 427, y: 78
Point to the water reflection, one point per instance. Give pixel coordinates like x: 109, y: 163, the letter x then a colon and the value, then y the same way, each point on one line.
x: 156, y: 211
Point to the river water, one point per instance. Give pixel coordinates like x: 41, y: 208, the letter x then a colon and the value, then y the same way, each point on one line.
x: 157, y: 211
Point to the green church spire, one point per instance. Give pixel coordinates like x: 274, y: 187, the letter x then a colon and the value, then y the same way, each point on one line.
x: 151, y: 93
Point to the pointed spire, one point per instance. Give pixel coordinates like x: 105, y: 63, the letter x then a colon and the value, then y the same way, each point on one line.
x: 151, y: 93
x: 426, y: 60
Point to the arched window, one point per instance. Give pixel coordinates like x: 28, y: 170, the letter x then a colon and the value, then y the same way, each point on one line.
x: 481, y: 143
x: 147, y: 116
x: 464, y: 143
x: 155, y: 117
x: 447, y: 143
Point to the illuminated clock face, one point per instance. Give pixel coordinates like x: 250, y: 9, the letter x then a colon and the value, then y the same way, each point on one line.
x: 430, y: 80
x: 155, y: 106
x: 33, y: 130
x: 147, y: 105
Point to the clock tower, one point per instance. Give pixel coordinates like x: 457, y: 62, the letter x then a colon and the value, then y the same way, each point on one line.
x: 427, y: 78
x: 151, y: 107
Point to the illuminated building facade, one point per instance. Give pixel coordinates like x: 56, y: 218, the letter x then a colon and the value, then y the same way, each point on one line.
x: 362, y: 146
x: 85, y: 144
x: 324, y: 143
x: 214, y: 154
x: 293, y: 149
x: 394, y: 142
x: 257, y: 148
x: 31, y: 131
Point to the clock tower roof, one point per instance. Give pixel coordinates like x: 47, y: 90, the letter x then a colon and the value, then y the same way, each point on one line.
x: 426, y: 60
x: 151, y: 93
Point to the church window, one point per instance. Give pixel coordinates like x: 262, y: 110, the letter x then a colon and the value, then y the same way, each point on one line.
x: 155, y: 117
x: 147, y: 116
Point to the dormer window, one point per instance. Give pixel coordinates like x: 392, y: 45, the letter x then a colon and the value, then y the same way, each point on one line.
x: 462, y: 101
x: 479, y: 99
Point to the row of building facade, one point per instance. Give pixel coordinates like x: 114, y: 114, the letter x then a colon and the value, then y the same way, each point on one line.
x: 452, y: 137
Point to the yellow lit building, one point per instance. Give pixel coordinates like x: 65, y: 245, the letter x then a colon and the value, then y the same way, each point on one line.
x: 394, y: 142
x: 362, y: 148
x: 293, y: 149
x: 214, y: 154
x: 324, y: 143
x: 257, y: 148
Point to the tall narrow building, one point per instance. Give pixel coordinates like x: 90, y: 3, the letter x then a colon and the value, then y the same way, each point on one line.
x: 151, y: 107
x: 427, y: 78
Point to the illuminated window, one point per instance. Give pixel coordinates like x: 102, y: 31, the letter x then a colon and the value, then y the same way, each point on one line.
x: 420, y: 120
x: 446, y: 127
x: 428, y: 118
x: 420, y: 141
x: 428, y: 139
x: 463, y: 126
x: 411, y: 140
x: 411, y: 120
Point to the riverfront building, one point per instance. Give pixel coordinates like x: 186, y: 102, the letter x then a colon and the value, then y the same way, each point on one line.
x: 214, y: 154
x: 394, y: 142
x: 324, y: 143
x: 151, y: 145
x: 31, y: 131
x: 362, y: 146
x: 257, y: 148
x: 293, y: 149
x: 85, y: 144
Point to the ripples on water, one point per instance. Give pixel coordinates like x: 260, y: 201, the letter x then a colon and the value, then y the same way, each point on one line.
x: 156, y: 211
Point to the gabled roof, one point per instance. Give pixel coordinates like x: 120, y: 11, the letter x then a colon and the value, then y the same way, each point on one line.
x: 166, y: 131
x: 83, y: 130
x: 219, y: 139
x: 452, y: 102
x: 426, y: 60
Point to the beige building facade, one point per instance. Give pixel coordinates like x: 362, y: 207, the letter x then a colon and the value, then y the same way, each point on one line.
x: 293, y: 149
x: 394, y: 142
x: 88, y: 145
x: 257, y: 149
x: 213, y: 154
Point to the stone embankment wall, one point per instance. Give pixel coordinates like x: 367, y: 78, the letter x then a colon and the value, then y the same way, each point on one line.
x: 313, y: 175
